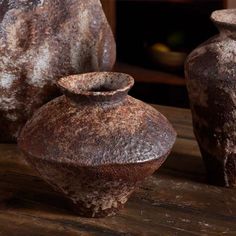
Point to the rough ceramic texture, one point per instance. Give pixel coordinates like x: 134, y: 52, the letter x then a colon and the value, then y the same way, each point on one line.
x: 211, y: 82
x: 96, y: 143
x: 41, y: 41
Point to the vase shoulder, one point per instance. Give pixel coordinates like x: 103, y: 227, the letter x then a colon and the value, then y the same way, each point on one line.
x: 130, y: 132
x: 213, y: 60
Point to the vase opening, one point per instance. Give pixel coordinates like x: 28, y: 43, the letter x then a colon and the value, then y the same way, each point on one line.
x: 225, y: 19
x: 96, y: 86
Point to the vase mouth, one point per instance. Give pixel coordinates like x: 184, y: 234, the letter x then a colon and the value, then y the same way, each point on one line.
x: 97, y: 86
x: 225, y: 18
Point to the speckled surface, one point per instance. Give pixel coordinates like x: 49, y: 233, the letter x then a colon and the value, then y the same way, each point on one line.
x: 83, y: 131
x: 211, y: 82
x: 94, y: 191
x: 106, y: 138
x: 41, y: 41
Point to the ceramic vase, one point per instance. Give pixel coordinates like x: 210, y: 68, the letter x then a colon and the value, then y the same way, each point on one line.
x: 96, y: 144
x: 40, y: 42
x: 211, y: 82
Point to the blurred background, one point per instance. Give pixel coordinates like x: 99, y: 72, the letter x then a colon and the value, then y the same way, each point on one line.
x: 153, y: 40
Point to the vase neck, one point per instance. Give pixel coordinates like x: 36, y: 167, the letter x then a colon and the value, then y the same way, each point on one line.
x: 225, y: 21
x: 98, y: 87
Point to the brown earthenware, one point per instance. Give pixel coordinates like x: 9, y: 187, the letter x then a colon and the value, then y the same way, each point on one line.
x: 40, y: 42
x: 211, y: 81
x: 95, y: 144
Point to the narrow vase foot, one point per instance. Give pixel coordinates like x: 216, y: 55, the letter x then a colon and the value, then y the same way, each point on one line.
x: 220, y: 172
x: 94, y: 212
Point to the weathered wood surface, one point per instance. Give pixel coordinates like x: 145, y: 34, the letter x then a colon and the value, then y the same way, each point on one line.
x: 174, y: 201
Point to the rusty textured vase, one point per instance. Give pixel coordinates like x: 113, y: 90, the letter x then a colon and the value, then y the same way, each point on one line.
x: 95, y: 144
x: 40, y: 42
x: 211, y: 82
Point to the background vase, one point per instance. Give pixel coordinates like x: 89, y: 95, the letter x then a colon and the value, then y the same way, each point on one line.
x: 211, y: 82
x: 41, y: 41
x: 96, y: 143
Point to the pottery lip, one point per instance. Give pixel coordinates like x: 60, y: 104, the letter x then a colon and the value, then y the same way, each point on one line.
x: 225, y: 18
x: 96, y: 85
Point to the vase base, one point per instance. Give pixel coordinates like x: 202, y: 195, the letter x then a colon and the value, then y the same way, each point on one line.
x: 80, y: 210
x: 221, y: 173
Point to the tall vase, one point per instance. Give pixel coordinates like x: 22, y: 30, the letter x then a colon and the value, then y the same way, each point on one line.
x: 211, y: 82
x: 40, y: 42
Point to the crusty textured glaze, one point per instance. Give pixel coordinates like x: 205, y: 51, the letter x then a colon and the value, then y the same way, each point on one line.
x: 94, y: 191
x: 41, y: 41
x: 211, y: 82
x: 97, y: 148
x: 93, y: 135
x: 128, y: 131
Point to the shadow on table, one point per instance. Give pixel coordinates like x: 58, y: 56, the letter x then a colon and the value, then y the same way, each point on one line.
x: 186, y: 167
x: 30, y: 192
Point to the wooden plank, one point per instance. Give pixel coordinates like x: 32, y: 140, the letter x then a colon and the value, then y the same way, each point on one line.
x: 166, y: 203
x: 174, y: 201
x: 143, y: 75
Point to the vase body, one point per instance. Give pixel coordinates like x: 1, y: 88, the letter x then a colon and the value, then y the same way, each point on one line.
x: 96, y: 144
x: 211, y: 82
x: 40, y: 42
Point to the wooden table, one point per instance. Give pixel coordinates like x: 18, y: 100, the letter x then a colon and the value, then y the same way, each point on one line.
x: 174, y: 201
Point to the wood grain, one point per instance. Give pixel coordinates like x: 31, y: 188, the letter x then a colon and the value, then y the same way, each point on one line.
x: 174, y: 201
